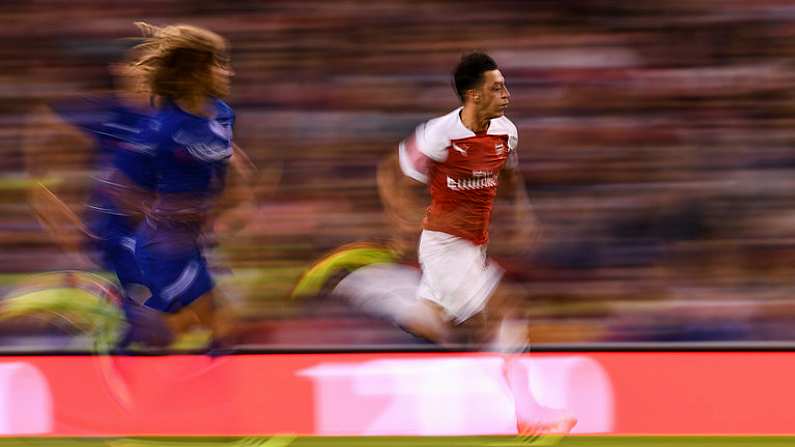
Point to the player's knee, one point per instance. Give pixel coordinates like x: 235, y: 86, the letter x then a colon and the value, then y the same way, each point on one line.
x: 138, y: 293
x: 427, y: 320
x: 146, y: 326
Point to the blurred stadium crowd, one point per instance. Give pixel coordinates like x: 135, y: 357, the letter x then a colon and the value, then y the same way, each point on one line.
x: 656, y: 142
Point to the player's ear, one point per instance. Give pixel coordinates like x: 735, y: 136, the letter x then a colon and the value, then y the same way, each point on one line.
x: 474, y: 95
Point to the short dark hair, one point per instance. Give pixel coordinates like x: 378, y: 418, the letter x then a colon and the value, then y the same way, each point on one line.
x: 468, y: 73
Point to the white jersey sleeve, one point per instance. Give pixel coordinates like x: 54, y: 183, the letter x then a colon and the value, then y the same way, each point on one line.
x: 513, y: 155
x: 504, y: 126
x: 429, y: 141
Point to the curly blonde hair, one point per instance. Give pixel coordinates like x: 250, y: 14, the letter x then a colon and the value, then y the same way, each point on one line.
x: 177, y: 60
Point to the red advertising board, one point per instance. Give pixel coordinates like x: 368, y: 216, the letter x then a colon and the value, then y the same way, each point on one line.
x: 372, y: 394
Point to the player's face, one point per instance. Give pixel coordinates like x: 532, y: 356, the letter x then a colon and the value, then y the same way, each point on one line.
x: 220, y: 75
x: 494, y: 96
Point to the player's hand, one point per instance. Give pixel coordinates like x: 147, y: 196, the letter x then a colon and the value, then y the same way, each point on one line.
x: 523, y: 239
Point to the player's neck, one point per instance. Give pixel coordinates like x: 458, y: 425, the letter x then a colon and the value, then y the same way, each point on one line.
x: 473, y: 120
x: 195, y: 105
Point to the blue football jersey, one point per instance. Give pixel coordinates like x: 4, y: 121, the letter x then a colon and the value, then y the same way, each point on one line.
x: 191, y: 155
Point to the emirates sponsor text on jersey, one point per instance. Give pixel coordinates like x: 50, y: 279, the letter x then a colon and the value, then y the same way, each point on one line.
x: 479, y: 180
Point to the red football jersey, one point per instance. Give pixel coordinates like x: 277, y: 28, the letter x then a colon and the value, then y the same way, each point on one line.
x: 462, y: 170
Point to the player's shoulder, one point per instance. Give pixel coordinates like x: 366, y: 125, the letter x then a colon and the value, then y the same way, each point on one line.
x: 206, y: 139
x: 167, y: 118
x: 171, y: 119
x: 503, y: 126
x: 170, y: 113
x: 446, y: 127
x: 223, y: 111
x: 161, y: 125
x: 446, y: 124
x: 433, y: 136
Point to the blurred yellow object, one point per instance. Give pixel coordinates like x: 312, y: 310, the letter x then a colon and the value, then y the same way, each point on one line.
x: 197, y: 338
x: 84, y: 301
x: 345, y: 259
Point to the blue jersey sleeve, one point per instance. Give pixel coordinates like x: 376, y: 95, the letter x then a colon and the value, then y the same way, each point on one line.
x: 87, y: 114
x: 208, y: 140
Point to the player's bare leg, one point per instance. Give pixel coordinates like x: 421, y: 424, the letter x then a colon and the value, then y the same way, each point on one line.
x: 224, y: 327
x: 425, y: 319
x: 533, y: 420
x: 200, y: 313
x: 509, y: 334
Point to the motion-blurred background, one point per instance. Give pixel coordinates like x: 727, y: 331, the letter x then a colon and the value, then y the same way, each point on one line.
x: 656, y: 143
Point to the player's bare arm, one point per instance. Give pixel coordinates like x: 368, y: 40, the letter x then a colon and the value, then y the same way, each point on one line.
x: 55, y: 154
x: 53, y: 150
x: 515, y: 209
x: 404, y: 200
x: 238, y: 205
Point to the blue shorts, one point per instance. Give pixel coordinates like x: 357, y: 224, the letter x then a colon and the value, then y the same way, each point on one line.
x: 176, y: 274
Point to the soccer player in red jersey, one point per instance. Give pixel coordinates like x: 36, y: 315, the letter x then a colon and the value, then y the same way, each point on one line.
x: 461, y: 158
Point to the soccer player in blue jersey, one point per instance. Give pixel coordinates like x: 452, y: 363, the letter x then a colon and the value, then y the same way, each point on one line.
x: 120, y: 192
x: 186, y: 69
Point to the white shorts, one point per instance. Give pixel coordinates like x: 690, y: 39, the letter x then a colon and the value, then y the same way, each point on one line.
x: 456, y: 274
